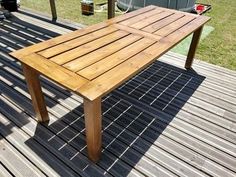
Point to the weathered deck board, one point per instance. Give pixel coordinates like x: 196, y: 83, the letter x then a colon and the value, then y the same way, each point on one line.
x: 166, y: 121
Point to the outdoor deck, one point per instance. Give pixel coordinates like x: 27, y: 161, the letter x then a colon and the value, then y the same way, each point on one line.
x: 166, y: 121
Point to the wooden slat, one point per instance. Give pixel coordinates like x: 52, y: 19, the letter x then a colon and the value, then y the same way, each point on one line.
x: 101, y: 53
x: 57, y: 40
x: 3, y: 171
x: 110, y: 80
x: 138, y: 32
x: 174, y: 26
x: 179, y: 12
x: 140, y: 17
x: 160, y: 24
x: 131, y: 14
x: 76, y: 42
x: 71, y: 162
x: 105, y: 83
x: 187, y: 29
x: 59, y: 74
x: 89, y: 47
x: 112, y: 61
x: 151, y: 19
x: 15, y: 161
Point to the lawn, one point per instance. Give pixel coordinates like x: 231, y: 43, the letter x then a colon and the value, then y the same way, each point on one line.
x: 218, y: 48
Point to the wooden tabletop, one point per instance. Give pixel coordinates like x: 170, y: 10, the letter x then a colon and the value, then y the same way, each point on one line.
x: 94, y: 60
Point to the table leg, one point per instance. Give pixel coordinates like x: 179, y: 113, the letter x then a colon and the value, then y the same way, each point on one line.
x: 33, y: 83
x: 193, y: 47
x: 93, y: 125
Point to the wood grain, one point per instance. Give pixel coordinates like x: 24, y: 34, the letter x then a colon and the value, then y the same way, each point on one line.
x: 33, y: 83
x: 150, y: 20
x: 93, y: 57
x: 104, y: 65
x: 193, y: 47
x: 88, y: 47
x: 140, y: 17
x: 51, y: 70
x: 137, y: 32
x: 93, y: 126
x: 174, y: 26
x: 161, y: 23
x: 57, y: 40
x: 52, y: 51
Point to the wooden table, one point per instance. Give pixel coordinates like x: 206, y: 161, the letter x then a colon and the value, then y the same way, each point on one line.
x: 93, y: 61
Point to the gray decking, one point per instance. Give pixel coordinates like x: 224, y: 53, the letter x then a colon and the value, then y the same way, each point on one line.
x: 166, y: 121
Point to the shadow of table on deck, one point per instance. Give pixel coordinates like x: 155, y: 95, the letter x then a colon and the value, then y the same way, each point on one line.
x: 134, y: 117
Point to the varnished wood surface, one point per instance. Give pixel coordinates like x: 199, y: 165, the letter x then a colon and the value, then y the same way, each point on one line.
x: 93, y: 126
x: 193, y: 136
x: 34, y: 86
x: 94, y: 52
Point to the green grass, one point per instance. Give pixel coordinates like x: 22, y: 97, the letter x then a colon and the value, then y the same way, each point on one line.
x: 66, y: 9
x: 218, y: 48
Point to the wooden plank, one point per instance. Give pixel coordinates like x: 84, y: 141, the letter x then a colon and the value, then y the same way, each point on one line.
x: 52, y: 51
x: 131, y: 14
x: 101, y: 53
x: 93, y: 126
x: 173, y: 133
x: 34, y: 151
x: 190, y: 129
x: 186, y: 29
x: 33, y: 83
x: 174, y: 26
x: 219, y: 80
x: 137, y: 32
x: 140, y: 17
x: 76, y: 125
x: 104, y: 65
x: 200, y: 109
x: 28, y: 31
x: 143, y: 122
x: 160, y: 24
x: 179, y: 12
x: 3, y: 171
x: 19, y: 35
x: 54, y: 144
x: 15, y: 161
x: 57, y: 40
x: 208, y: 95
x: 88, y: 47
x: 110, y: 80
x: 151, y: 19
x: 60, y: 75
x: 60, y: 39
x: 105, y: 83
x: 36, y: 23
